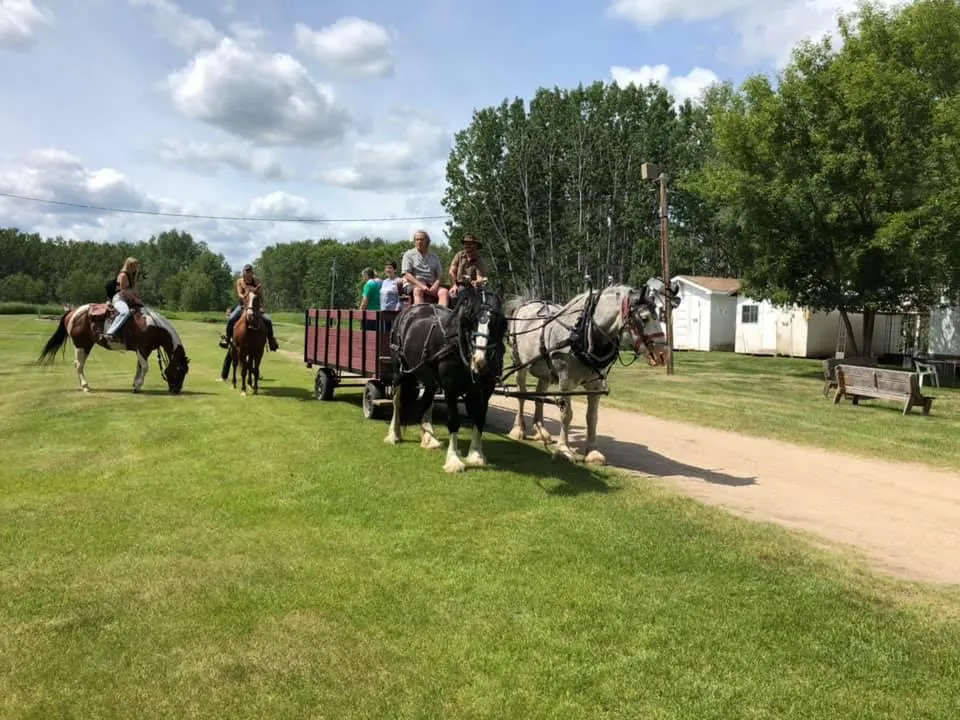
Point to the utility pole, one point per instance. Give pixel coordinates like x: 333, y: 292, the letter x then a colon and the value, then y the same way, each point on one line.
x: 649, y: 171
x: 333, y: 282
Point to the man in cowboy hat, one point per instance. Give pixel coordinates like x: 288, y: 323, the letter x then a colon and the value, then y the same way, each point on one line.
x: 467, y: 266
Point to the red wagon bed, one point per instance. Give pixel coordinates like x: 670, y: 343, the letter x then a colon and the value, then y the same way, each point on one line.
x: 350, y: 347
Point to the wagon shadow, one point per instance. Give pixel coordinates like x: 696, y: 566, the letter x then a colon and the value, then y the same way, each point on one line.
x: 633, y: 456
x: 297, y: 393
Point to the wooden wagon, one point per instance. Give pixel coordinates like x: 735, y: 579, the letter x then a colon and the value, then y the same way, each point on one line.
x: 350, y: 347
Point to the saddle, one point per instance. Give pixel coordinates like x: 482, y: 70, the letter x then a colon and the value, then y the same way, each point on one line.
x: 102, y: 313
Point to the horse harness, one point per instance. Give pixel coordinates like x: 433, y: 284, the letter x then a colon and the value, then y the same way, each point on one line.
x: 578, y: 340
x: 445, y: 350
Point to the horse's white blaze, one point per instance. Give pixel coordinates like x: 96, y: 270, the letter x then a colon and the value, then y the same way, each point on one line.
x: 480, y: 349
x: 156, y: 319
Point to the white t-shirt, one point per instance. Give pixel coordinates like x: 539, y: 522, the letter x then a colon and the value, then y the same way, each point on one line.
x: 390, y: 294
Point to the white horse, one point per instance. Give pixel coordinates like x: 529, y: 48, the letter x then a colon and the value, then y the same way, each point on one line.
x: 575, y: 345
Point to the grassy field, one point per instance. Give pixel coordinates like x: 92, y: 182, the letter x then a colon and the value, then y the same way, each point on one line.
x: 209, y: 555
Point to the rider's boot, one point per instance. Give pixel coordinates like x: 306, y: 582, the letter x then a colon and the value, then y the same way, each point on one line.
x: 273, y: 343
x: 224, y: 343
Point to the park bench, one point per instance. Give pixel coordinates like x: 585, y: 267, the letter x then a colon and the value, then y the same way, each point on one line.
x: 830, y: 365
x: 856, y: 382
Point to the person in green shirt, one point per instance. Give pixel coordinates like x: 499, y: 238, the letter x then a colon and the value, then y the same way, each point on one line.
x: 370, y: 296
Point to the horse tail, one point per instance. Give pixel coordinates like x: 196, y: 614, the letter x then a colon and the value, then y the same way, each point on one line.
x: 56, y: 341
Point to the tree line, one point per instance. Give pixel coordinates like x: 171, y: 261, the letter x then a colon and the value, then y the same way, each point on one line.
x: 833, y: 185
x: 181, y: 273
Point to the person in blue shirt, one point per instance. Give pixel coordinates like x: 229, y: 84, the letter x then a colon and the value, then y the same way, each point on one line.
x: 390, y: 288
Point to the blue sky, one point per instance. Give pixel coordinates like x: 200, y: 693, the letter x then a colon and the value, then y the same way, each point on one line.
x: 337, y: 110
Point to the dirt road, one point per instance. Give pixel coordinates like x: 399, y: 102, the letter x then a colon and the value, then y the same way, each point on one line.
x: 905, y: 518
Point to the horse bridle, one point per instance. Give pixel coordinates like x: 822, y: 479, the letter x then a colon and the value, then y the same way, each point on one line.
x: 482, y: 316
x: 629, y: 316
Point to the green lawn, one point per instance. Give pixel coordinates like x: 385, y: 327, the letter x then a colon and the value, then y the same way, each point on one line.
x: 209, y: 555
x: 782, y: 398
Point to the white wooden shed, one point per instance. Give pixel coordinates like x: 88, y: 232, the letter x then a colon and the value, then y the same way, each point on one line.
x: 944, y: 334
x: 763, y: 328
x: 705, y: 319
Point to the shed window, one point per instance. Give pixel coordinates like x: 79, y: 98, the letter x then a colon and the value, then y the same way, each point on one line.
x: 750, y: 313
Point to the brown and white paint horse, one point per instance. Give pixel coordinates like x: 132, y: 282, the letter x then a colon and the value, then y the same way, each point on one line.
x: 145, y: 331
x: 249, y: 339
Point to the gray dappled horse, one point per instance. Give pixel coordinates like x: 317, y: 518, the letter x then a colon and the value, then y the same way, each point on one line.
x: 574, y: 345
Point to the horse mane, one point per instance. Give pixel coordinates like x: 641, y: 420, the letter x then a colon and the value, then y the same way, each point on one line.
x: 516, y: 300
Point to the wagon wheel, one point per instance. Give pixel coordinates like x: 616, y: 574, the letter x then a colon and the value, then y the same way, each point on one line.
x: 324, y: 383
x: 372, y: 392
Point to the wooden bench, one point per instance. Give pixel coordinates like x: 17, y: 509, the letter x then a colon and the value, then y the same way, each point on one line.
x: 830, y: 365
x: 856, y: 382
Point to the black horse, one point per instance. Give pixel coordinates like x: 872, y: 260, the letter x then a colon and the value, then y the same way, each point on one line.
x: 459, y: 350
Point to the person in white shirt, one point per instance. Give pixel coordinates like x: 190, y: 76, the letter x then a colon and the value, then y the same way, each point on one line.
x: 422, y: 272
x: 390, y: 288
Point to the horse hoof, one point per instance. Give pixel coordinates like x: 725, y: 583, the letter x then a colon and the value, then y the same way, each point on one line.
x: 543, y: 435
x: 595, y: 457
x: 517, y: 433
x: 475, y: 459
x: 85, y: 389
x: 243, y: 393
x: 454, y: 465
x: 429, y: 442
x: 392, y: 439
x: 564, y: 455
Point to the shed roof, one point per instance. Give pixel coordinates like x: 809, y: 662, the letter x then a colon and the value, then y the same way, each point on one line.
x: 723, y: 286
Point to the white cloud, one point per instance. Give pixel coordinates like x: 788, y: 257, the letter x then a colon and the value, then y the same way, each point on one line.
x: 180, y: 29
x: 268, y: 98
x: 351, y: 45
x: 680, y: 86
x: 209, y: 158
x: 767, y: 30
x: 20, y: 20
x: 279, y: 204
x: 54, y: 174
x: 413, y: 163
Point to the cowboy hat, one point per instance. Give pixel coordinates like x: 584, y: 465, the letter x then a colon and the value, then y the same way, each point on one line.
x: 471, y: 238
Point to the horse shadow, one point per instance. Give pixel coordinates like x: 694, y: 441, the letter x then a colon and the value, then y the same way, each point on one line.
x: 147, y: 391
x: 557, y: 478
x: 633, y: 456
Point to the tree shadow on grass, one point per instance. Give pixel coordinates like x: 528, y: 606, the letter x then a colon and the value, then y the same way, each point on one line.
x: 632, y: 456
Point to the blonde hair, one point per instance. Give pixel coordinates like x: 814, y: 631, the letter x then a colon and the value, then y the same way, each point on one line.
x: 129, y: 264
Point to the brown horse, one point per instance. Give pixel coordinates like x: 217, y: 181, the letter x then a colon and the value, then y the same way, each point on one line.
x: 143, y: 332
x: 249, y: 339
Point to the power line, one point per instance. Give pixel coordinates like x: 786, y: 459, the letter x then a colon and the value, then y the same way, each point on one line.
x: 237, y: 218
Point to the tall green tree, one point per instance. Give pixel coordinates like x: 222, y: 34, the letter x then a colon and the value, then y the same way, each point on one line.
x: 839, y: 173
x: 554, y: 189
